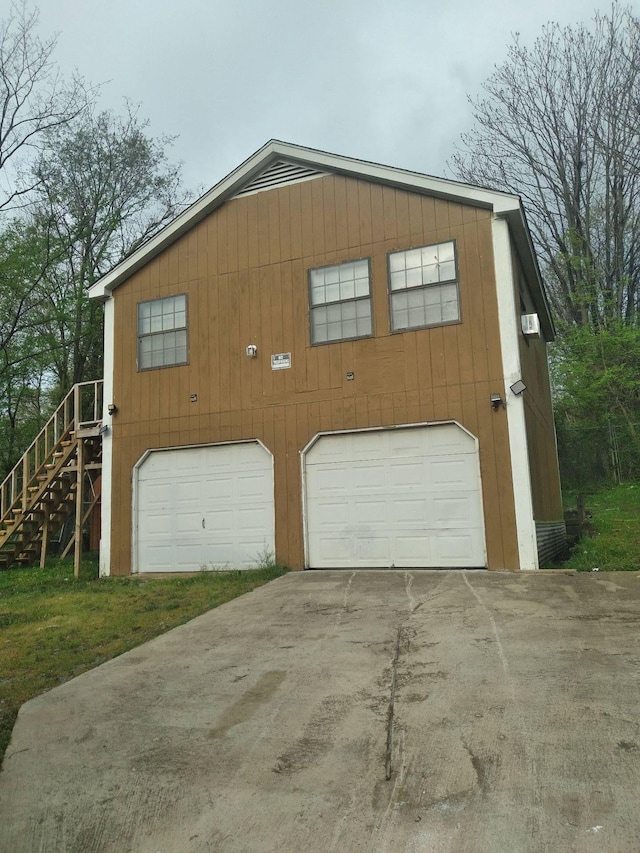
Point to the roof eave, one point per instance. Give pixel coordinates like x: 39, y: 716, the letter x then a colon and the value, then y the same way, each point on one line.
x: 522, y: 237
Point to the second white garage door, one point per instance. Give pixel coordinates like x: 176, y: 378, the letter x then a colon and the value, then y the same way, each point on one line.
x: 404, y: 498
x: 199, y: 508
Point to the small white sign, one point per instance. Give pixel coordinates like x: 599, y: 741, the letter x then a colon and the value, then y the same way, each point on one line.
x: 280, y: 361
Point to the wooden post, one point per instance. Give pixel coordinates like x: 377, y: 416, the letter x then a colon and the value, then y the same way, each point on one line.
x: 25, y: 481
x: 77, y: 558
x: 45, y: 536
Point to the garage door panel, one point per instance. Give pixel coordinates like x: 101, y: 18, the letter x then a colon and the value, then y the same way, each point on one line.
x: 408, y: 497
x: 454, y: 548
x: 410, y: 473
x: 408, y: 511
x: 187, y: 522
x: 249, y: 486
x: 411, y: 551
x: 452, y: 510
x: 451, y: 472
x: 228, y: 487
x: 218, y: 488
x: 368, y: 512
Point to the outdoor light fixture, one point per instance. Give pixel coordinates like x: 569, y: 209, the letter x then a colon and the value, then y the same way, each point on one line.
x: 518, y: 387
x: 112, y: 408
x: 496, y: 401
x: 252, y: 350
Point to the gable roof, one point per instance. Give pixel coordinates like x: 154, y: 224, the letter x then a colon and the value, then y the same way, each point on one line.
x: 278, y: 163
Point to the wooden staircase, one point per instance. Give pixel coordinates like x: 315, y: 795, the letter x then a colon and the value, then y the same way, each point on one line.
x: 54, y: 480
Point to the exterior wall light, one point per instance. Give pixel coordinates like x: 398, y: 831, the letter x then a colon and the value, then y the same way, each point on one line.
x: 496, y: 401
x: 518, y: 387
x: 112, y: 408
x: 252, y: 350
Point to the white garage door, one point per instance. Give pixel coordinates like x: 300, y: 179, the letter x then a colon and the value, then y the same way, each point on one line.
x: 204, y: 507
x: 404, y: 498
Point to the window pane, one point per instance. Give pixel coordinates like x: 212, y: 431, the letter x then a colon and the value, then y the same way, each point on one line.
x: 346, y: 272
x: 396, y: 262
x: 427, y: 306
x: 348, y: 311
x: 447, y: 271
x: 319, y: 334
x: 414, y: 277
x: 398, y: 280
x: 363, y: 313
x: 399, y: 311
x: 362, y: 286
x: 158, y: 343
x: 361, y: 269
x: 450, y: 303
x: 415, y: 298
x: 348, y: 289
x: 349, y: 328
x: 446, y: 252
x: 334, y: 331
x: 413, y: 258
x: 434, y: 314
x: 335, y: 303
x: 430, y: 274
x: 334, y: 313
x: 332, y: 292
x: 424, y: 302
x: 317, y: 286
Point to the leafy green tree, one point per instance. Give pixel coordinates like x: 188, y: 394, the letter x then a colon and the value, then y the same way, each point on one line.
x: 104, y: 187
x: 596, y: 376
x: 24, y: 354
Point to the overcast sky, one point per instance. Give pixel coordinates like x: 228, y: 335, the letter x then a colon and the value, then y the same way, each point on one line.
x: 380, y: 81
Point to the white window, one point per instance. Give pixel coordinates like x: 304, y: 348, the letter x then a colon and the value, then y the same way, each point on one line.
x: 340, y: 302
x: 162, y: 332
x: 423, y: 285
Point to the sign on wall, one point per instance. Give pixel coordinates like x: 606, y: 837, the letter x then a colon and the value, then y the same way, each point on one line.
x: 280, y: 361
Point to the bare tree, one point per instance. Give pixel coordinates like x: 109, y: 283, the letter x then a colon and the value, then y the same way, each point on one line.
x: 559, y: 124
x: 34, y: 99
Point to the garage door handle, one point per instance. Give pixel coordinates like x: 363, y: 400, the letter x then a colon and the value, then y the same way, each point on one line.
x: 203, y: 523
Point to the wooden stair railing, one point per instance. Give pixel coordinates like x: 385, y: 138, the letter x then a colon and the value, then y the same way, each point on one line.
x: 46, y: 486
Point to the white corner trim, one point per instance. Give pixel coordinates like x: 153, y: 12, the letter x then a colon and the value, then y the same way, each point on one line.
x: 508, y: 315
x: 107, y: 442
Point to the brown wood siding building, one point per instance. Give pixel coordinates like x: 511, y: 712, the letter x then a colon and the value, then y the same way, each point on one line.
x: 244, y: 269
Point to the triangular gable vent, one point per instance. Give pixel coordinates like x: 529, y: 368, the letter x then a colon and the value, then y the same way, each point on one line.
x: 279, y: 175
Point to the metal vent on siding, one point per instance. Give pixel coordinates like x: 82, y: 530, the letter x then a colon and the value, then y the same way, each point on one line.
x: 278, y: 175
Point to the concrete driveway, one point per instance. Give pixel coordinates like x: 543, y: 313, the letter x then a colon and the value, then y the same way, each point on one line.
x: 267, y: 724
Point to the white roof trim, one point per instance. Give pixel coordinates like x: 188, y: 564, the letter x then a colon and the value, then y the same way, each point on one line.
x: 502, y: 204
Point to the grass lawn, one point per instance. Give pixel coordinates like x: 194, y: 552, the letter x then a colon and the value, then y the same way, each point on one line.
x: 53, y: 627
x: 616, y: 522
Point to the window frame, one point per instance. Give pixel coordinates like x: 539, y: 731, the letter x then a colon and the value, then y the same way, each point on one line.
x: 140, y: 336
x: 423, y: 287
x: 354, y: 299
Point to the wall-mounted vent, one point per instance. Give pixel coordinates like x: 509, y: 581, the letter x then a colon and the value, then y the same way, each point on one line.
x: 279, y: 175
x: 531, y: 325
